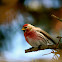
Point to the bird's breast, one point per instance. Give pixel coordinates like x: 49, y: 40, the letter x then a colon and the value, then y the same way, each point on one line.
x: 31, y: 34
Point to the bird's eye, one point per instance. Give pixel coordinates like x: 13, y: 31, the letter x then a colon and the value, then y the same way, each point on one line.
x: 25, y: 27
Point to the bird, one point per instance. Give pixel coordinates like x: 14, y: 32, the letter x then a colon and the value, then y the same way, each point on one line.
x: 37, y: 37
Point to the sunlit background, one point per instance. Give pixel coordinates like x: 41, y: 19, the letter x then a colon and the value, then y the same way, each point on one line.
x: 14, y: 14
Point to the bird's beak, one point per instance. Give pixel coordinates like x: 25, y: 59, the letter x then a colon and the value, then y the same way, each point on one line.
x: 23, y: 28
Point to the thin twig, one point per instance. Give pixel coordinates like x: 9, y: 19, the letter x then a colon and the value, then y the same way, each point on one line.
x: 56, y: 17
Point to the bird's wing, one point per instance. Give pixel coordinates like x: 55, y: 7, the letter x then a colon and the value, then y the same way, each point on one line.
x: 45, y: 34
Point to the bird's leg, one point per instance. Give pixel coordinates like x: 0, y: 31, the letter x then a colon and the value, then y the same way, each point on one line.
x: 42, y: 47
x: 39, y: 47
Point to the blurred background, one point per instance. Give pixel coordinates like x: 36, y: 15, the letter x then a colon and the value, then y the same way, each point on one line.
x: 14, y: 14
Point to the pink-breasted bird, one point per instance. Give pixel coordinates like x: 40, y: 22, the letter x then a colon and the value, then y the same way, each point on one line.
x: 37, y: 37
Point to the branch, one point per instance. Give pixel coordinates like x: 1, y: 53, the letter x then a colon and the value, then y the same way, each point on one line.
x: 56, y: 17
x: 42, y: 48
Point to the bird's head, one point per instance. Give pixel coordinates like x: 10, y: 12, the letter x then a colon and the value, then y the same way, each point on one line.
x: 27, y: 27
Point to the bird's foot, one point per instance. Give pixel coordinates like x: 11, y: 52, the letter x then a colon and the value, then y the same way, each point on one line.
x: 39, y: 47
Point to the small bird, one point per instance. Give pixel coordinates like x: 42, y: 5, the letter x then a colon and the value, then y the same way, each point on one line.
x: 37, y: 37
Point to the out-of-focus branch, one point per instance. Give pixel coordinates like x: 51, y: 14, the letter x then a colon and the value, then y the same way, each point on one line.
x: 56, y: 17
